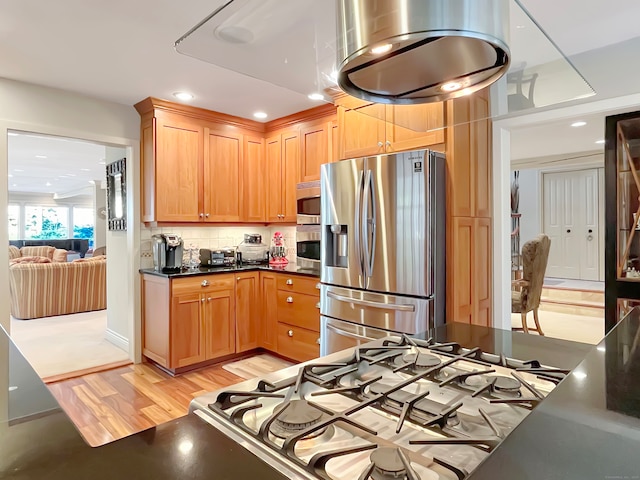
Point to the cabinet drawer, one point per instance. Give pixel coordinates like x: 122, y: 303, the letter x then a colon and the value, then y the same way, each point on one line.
x: 297, y: 343
x: 299, y: 309
x: 202, y: 283
x: 298, y: 283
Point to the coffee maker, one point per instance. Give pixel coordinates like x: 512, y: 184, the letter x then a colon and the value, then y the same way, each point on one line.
x: 167, y: 252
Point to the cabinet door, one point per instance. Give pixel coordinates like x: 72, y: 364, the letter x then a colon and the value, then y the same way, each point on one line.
x: 273, y: 162
x: 253, y: 183
x: 219, y: 323
x: 187, y: 336
x: 459, y: 270
x: 179, y: 153
x: 481, y: 270
x: 362, y: 130
x: 269, y: 327
x: 290, y: 165
x: 222, y: 174
x: 410, y: 127
x: 155, y: 318
x: 314, y: 141
x: 247, y: 311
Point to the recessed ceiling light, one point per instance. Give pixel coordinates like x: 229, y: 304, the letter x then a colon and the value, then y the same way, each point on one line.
x: 18, y: 170
x: 520, y: 27
x: 599, y: 142
x: 260, y: 115
x: 316, y: 96
x: 85, y: 170
x: 14, y: 185
x: 183, y: 96
x: 102, y: 162
x: 92, y: 182
x: 380, y: 49
x: 578, y: 124
x: 41, y: 156
x: 13, y: 134
x: 13, y: 388
x: 48, y: 184
x: 451, y: 86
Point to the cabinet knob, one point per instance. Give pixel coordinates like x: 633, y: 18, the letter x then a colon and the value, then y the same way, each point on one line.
x: 318, y: 285
x: 318, y: 341
x: 380, y: 144
x: 289, y: 281
x: 201, y: 215
x: 290, y: 333
x: 206, y: 215
x: 205, y: 283
x: 388, y: 143
x: 202, y: 299
x: 209, y: 299
x: 318, y: 305
x: 238, y: 278
x: 289, y: 299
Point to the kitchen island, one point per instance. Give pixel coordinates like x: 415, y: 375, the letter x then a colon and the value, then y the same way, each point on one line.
x: 586, y: 426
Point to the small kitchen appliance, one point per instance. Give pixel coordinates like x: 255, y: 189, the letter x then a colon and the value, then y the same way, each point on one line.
x: 221, y: 257
x: 278, y: 250
x: 167, y: 252
x: 252, y: 251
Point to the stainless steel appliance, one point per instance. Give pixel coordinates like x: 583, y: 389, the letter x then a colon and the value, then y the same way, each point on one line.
x: 308, y: 247
x: 400, y: 408
x: 383, y: 246
x: 308, y: 203
x: 252, y: 251
x: 222, y: 257
x: 167, y: 252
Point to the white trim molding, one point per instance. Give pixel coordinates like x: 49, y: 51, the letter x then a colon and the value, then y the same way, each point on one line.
x: 117, y: 339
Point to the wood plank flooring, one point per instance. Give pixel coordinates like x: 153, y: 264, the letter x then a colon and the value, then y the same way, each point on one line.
x: 113, y: 404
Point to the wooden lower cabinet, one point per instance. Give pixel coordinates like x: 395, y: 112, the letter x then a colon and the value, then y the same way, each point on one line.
x: 269, y: 301
x: 187, y: 327
x: 297, y: 343
x: 248, y: 308
x: 219, y: 330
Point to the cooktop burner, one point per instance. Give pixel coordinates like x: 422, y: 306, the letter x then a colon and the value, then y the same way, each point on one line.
x: 388, y: 464
x: 501, y: 383
x: 297, y: 416
x: 419, y: 361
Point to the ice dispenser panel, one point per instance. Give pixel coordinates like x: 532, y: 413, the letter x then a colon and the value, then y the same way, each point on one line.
x: 337, y: 253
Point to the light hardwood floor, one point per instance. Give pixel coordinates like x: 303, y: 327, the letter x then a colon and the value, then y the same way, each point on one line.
x: 109, y: 405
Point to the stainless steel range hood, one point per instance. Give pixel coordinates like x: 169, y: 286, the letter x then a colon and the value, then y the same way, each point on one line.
x: 418, y: 51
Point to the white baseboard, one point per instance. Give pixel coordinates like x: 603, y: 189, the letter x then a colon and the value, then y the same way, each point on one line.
x: 117, y: 339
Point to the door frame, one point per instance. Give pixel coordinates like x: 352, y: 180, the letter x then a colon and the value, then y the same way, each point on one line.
x: 599, y: 168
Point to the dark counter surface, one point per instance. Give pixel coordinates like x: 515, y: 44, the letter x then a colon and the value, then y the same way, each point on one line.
x: 587, y: 428
x: 185, y: 272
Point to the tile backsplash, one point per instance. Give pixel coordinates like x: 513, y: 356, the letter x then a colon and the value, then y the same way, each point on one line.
x: 215, y: 237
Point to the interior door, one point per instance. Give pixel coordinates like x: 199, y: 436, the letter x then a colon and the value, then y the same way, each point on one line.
x: 571, y: 220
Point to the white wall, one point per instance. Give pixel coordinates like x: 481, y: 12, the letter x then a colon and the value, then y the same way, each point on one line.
x: 530, y: 201
x: 100, y: 203
x: 50, y: 111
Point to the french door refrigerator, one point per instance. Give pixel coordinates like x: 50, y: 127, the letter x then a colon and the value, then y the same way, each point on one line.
x: 382, y: 247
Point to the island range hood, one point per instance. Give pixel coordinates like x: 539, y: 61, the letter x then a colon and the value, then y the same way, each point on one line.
x: 419, y: 51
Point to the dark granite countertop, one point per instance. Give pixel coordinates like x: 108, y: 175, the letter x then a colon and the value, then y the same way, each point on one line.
x: 185, y: 272
x: 587, y: 428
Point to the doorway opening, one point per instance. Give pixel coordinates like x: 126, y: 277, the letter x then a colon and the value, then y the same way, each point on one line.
x: 58, y: 242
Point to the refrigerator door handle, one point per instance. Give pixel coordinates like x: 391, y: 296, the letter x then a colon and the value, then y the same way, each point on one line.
x: 358, y: 228
x: 368, y: 224
x: 367, y: 303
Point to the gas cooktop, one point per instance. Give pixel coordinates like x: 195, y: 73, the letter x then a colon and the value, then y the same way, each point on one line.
x: 400, y: 408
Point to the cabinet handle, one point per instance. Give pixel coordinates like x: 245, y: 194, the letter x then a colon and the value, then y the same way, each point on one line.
x: 290, y: 333
x: 205, y: 283
x: 209, y: 299
x: 289, y: 299
x: 289, y: 281
x: 318, y: 285
x: 201, y: 215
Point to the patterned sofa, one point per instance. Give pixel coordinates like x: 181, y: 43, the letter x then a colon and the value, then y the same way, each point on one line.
x: 56, y: 288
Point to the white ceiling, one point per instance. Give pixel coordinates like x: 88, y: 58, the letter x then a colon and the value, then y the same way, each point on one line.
x: 122, y: 51
x: 69, y: 167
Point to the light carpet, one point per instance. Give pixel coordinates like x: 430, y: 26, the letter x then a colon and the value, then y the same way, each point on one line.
x: 579, y: 328
x: 257, y: 366
x: 66, y: 343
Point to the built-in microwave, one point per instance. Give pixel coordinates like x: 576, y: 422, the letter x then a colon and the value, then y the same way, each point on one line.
x: 308, y: 246
x: 308, y: 203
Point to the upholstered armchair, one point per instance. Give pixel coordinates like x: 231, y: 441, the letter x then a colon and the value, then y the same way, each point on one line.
x: 526, y: 292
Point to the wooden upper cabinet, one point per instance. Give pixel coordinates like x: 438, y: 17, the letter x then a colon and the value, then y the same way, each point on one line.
x: 253, y: 180
x: 290, y: 165
x: 410, y: 127
x: 314, y: 142
x: 362, y: 130
x: 273, y: 175
x: 223, y: 177
x: 335, y: 151
x: 178, y: 174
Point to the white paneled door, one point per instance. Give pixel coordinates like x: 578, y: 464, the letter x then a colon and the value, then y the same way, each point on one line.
x: 571, y: 220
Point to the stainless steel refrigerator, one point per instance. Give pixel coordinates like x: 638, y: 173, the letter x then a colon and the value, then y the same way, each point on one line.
x: 382, y: 247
